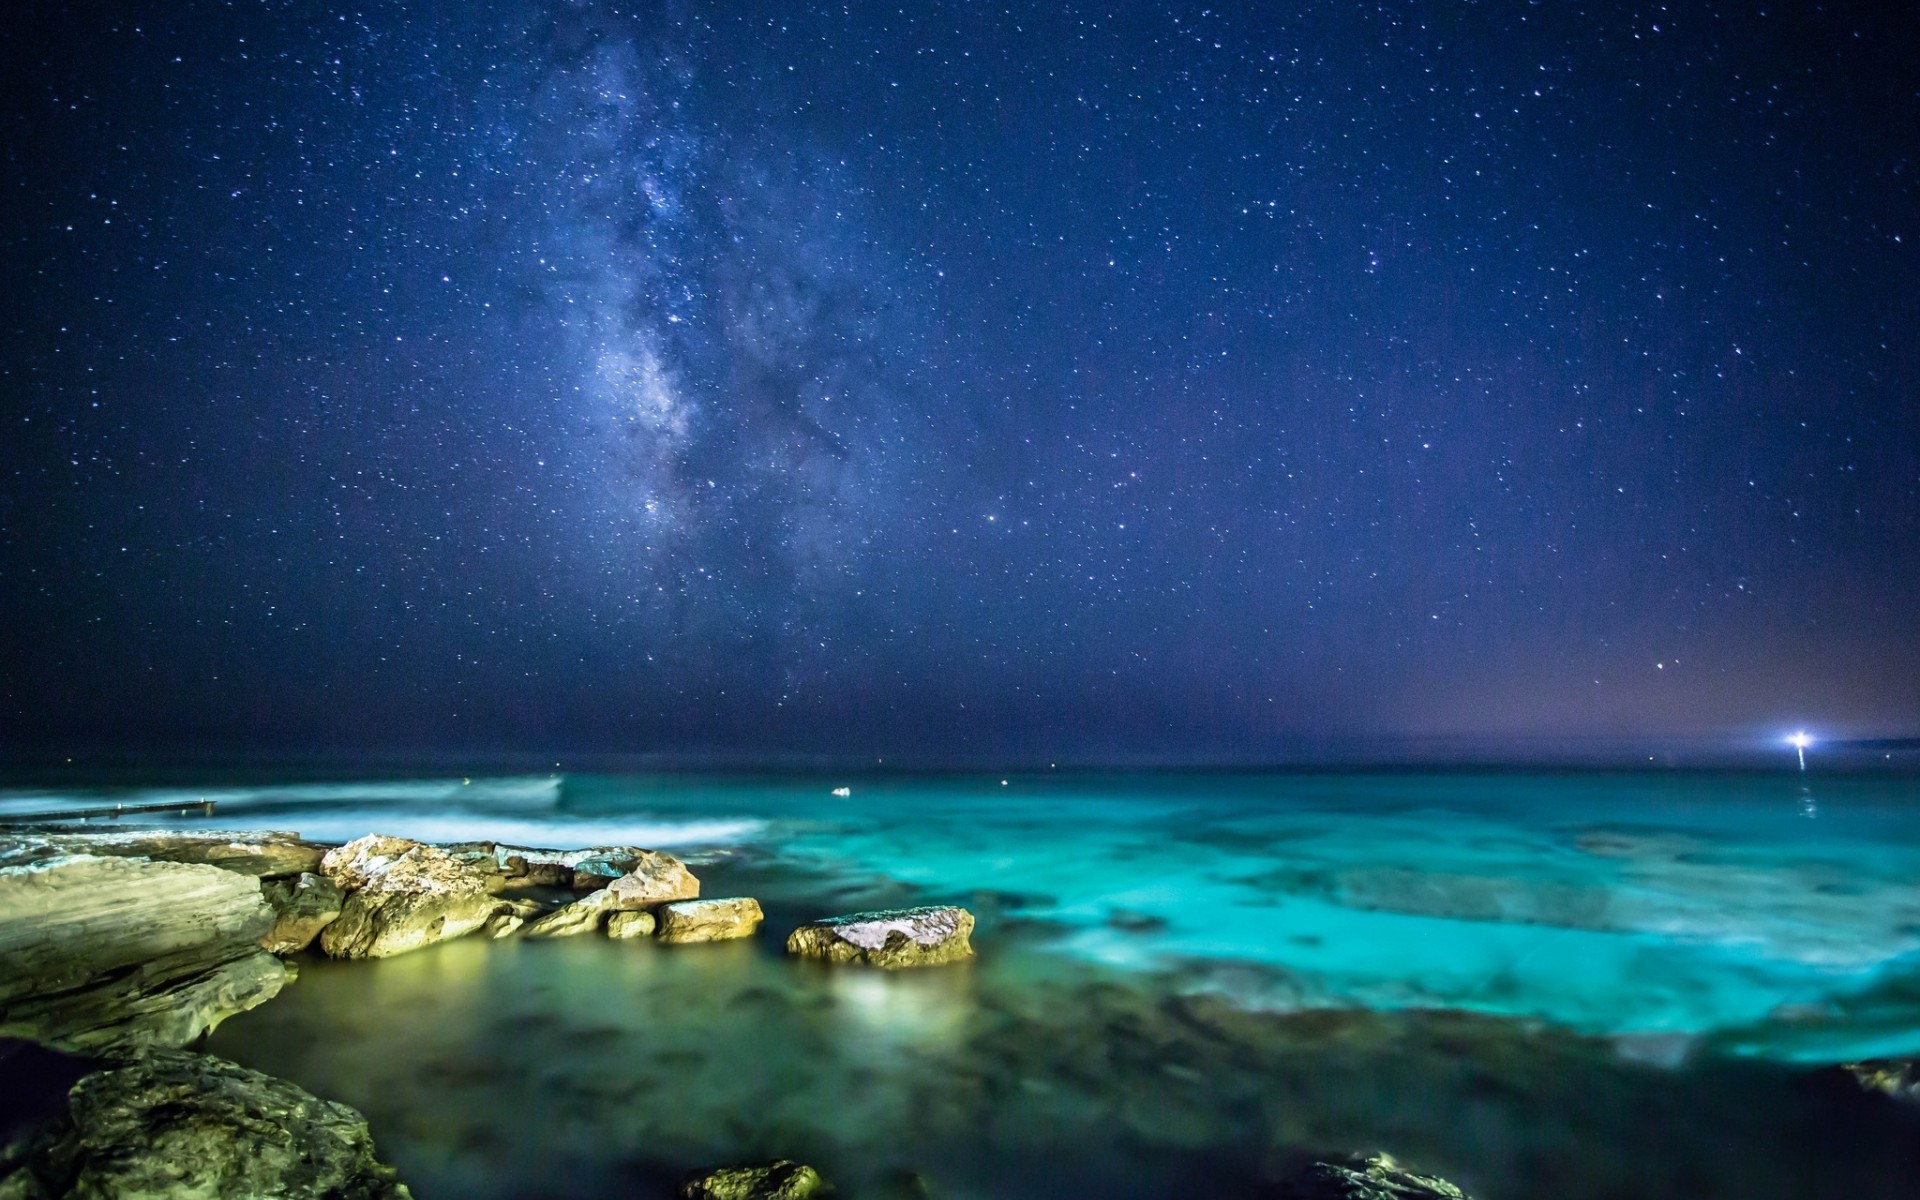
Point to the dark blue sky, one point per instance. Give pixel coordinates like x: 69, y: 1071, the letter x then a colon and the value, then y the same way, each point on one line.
x: 957, y: 380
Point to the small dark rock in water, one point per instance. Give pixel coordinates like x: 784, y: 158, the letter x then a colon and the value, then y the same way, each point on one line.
x: 900, y: 937
x: 1895, y: 1077
x: 171, y: 1123
x: 1375, y: 1177
x: 781, y: 1180
x: 305, y: 905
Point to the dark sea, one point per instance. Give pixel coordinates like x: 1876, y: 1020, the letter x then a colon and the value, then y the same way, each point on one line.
x: 1537, y: 985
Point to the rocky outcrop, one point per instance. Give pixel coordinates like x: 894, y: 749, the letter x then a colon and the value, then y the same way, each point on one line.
x: 651, y: 877
x: 622, y: 925
x: 262, y: 854
x: 1897, y: 1078
x: 585, y: 915
x: 1375, y: 1177
x: 775, y: 1181
x: 901, y: 937
x: 303, y: 906
x: 169, y: 1123
x: 111, y: 953
x: 401, y: 895
x: 708, y: 920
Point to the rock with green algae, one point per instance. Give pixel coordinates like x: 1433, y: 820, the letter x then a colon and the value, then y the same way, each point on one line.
x: 893, y: 938
x: 304, y: 905
x: 781, y: 1180
x: 119, y: 953
x: 716, y: 920
x: 174, y: 1124
x: 1374, y: 1177
x: 402, y: 895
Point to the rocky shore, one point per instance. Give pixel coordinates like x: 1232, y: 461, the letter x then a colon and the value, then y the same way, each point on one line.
x: 119, y: 953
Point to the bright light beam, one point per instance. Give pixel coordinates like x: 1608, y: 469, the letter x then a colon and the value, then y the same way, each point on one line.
x: 1800, y: 740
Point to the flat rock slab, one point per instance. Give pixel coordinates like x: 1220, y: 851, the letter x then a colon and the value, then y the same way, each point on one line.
x: 892, y: 938
x: 170, y: 1123
x: 775, y: 1181
x: 260, y: 853
x: 402, y: 895
x: 112, y: 953
x: 708, y: 920
x: 1375, y: 1177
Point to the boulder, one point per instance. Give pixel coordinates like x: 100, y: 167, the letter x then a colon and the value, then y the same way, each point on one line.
x: 169, y: 1123
x: 117, y: 953
x: 304, y: 905
x: 630, y: 924
x: 651, y: 877
x: 1374, y: 1177
x: 1898, y: 1078
x: 781, y: 1180
x: 708, y: 920
x: 263, y: 854
x: 401, y: 895
x: 900, y: 937
x: 585, y: 915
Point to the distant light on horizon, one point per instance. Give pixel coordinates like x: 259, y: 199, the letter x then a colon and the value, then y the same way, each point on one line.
x: 1800, y: 739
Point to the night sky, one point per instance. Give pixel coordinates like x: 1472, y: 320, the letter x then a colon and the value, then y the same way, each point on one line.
x: 1096, y: 382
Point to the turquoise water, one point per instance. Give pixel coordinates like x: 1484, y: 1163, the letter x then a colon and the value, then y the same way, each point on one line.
x: 1775, y: 915
x: 1567, y: 986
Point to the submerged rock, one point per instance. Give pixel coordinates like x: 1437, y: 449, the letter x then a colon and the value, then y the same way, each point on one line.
x: 781, y: 1180
x: 304, y: 905
x: 401, y: 895
x: 1375, y: 1177
x: 708, y: 920
x: 630, y: 924
x: 113, y: 953
x: 260, y: 853
x: 900, y: 937
x: 170, y: 1123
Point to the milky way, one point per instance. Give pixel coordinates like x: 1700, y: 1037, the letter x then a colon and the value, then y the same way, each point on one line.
x: 1180, y: 382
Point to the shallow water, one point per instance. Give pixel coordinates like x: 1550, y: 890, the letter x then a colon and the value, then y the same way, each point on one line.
x: 1574, y: 985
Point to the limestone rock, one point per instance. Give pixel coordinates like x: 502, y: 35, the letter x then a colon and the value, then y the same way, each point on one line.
x: 900, y: 937
x: 651, y: 877
x: 781, y: 1180
x: 1375, y: 1177
x: 401, y: 895
x: 708, y: 920
x: 585, y: 915
x: 630, y: 924
x: 304, y: 905
x: 1898, y: 1078
x: 169, y: 1123
x: 260, y: 853
x: 111, y: 953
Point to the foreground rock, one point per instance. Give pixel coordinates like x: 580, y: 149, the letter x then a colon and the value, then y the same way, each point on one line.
x: 776, y: 1181
x: 401, y: 895
x: 585, y: 915
x: 114, y: 953
x: 303, y: 906
x: 708, y: 920
x: 1375, y: 1177
x: 623, y: 925
x: 262, y: 854
x: 1898, y: 1078
x: 900, y: 937
x: 170, y: 1123
x: 651, y: 877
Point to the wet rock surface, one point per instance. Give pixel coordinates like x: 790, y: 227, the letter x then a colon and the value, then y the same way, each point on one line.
x: 303, y: 906
x: 585, y: 915
x: 714, y: 920
x: 177, y: 1124
x: 401, y: 895
x: 1374, y: 1177
x: 107, y: 952
x: 623, y: 925
x: 891, y: 938
x: 259, y: 853
x: 780, y: 1180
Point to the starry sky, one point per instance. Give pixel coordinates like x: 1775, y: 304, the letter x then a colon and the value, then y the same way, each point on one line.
x: 1109, y: 382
